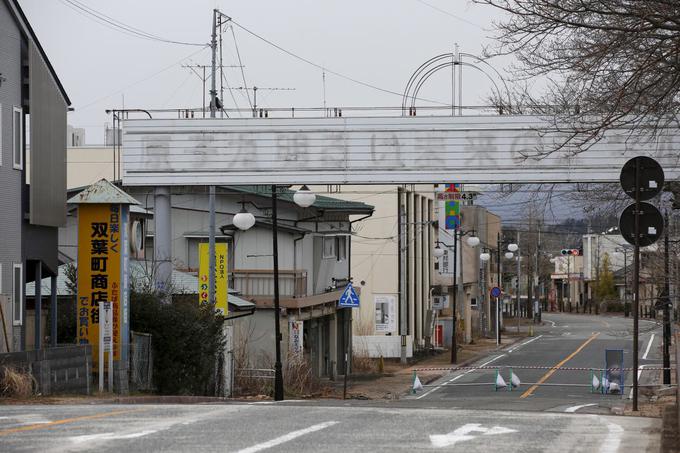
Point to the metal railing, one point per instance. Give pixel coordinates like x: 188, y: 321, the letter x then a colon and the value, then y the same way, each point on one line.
x: 260, y: 282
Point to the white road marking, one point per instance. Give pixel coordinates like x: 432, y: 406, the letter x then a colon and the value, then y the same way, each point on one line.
x: 613, y: 440
x: 110, y: 436
x: 525, y: 343
x: 649, y: 346
x: 573, y: 409
x: 463, y: 433
x: 640, y: 368
x: 287, y: 437
x: 458, y: 377
x: 551, y: 322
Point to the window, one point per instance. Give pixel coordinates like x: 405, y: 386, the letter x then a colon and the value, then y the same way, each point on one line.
x: 17, y: 141
x: 329, y: 247
x: 341, y: 247
x: 18, y: 295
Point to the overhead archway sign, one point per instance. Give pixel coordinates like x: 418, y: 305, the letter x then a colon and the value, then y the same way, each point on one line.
x: 378, y: 150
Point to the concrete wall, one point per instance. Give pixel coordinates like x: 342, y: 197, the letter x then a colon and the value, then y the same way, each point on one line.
x: 56, y: 370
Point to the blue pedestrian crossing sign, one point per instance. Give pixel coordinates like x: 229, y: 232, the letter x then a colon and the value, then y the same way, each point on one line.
x: 349, y: 298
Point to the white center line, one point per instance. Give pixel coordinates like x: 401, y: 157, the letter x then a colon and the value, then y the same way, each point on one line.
x: 573, y: 409
x: 649, y: 346
x: 286, y: 437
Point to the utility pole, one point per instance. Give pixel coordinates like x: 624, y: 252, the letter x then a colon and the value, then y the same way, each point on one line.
x: 519, y: 280
x: 666, y: 307
x: 403, y: 325
x: 211, y: 196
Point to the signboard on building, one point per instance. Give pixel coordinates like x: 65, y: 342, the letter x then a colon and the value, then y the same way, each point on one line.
x: 221, y: 279
x: 385, y: 312
x: 100, y: 249
x: 440, y: 302
x: 296, y: 336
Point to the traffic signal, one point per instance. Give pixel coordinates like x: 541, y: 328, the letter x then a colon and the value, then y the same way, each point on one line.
x: 574, y: 252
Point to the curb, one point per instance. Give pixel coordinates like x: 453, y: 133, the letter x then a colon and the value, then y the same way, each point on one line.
x: 171, y: 399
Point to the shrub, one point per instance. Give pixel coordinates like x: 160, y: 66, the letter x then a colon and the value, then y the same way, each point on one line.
x: 186, y: 338
x: 16, y: 383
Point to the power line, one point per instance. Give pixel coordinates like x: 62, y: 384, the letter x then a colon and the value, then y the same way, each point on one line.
x: 323, y: 68
x: 243, y: 75
x: 103, y: 19
x: 450, y: 14
x: 142, y: 80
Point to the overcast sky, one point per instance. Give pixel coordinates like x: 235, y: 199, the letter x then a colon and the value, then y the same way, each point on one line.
x: 380, y: 42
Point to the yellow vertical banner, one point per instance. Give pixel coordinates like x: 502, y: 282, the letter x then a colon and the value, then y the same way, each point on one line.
x: 221, y: 276
x: 99, y: 259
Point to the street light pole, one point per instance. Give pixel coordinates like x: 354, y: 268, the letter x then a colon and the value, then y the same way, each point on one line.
x: 498, y: 299
x: 519, y: 283
x: 454, y: 346
x: 278, y: 370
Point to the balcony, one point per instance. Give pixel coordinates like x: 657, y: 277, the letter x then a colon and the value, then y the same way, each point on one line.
x: 260, y: 282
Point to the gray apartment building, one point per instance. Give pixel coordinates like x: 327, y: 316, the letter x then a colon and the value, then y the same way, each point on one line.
x: 33, y: 201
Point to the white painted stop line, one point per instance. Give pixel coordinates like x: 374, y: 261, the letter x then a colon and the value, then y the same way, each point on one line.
x: 286, y: 437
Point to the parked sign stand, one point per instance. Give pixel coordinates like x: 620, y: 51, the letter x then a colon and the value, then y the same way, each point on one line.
x: 105, y: 342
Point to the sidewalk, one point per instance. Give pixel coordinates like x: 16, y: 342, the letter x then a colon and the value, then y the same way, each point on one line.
x: 397, y: 380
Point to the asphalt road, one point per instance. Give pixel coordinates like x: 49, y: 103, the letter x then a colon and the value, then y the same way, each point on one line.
x: 567, y: 340
x: 440, y: 418
x: 303, y: 427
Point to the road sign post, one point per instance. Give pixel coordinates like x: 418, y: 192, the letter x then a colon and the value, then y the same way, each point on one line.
x: 641, y: 224
x: 496, y: 293
x: 105, y: 342
x: 348, y: 299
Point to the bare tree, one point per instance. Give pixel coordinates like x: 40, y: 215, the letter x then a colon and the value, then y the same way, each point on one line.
x: 610, y: 64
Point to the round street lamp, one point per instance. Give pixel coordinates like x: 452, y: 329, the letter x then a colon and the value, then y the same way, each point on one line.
x: 513, y: 247
x: 473, y: 241
x: 304, y: 197
x: 243, y: 220
x: 438, y: 252
x: 485, y: 256
x: 509, y: 255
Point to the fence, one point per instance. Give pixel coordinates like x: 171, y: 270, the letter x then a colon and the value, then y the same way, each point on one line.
x: 253, y: 380
x: 601, y: 380
x: 141, y: 354
x: 64, y: 369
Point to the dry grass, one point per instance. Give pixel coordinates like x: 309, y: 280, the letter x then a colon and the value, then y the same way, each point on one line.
x: 362, y: 363
x: 299, y: 379
x: 16, y: 383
